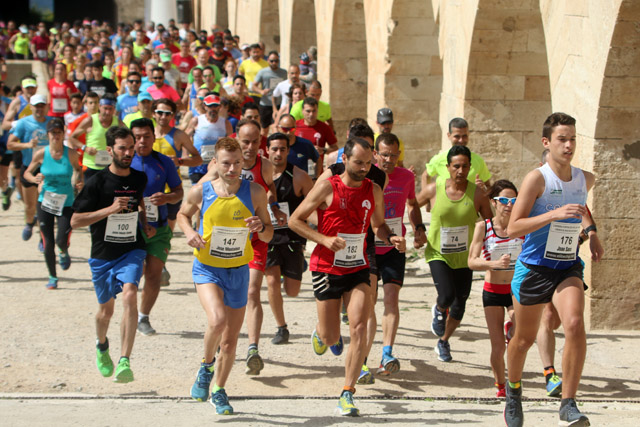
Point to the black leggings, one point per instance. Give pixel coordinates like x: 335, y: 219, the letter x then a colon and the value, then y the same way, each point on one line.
x: 62, y: 236
x: 453, y: 286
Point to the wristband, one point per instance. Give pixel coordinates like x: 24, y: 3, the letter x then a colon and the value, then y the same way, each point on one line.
x: 274, y: 205
x: 263, y: 227
x: 421, y: 227
x: 590, y: 228
x: 84, y: 147
x: 180, y: 161
x: 390, y: 236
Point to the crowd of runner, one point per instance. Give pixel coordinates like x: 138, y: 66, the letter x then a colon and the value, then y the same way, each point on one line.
x: 131, y: 111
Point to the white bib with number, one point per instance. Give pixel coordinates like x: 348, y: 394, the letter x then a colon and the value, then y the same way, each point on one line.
x: 42, y: 53
x: 228, y: 242
x: 511, y: 248
x: 284, y: 208
x: 121, y: 228
x: 207, y: 152
x: 59, y: 105
x: 395, y: 224
x: 53, y: 203
x: 454, y: 239
x: 562, y: 241
x: 151, y: 209
x: 103, y: 158
x: 184, y: 77
x: 353, y: 253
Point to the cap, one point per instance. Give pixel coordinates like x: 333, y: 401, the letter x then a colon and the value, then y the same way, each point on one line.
x: 304, y: 58
x: 96, y: 51
x: 385, y: 115
x: 38, y: 99
x: 29, y: 83
x: 23, y: 29
x: 244, y: 46
x: 53, y: 30
x: 55, y: 123
x: 144, y: 96
x: 211, y: 100
x: 165, y: 57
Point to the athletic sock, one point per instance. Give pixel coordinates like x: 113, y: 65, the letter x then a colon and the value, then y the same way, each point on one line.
x: 141, y: 316
x: 566, y: 401
x: 104, y: 346
x: 365, y: 361
x: 253, y: 346
x: 548, y: 372
x: 347, y: 388
x: 515, y: 385
x: 217, y: 388
x: 386, y: 350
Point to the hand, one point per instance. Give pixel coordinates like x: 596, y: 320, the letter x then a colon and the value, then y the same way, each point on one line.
x: 34, y: 142
x: 195, y: 240
x: 79, y: 185
x: 412, y: 169
x: 569, y: 211
x: 399, y: 243
x: 420, y: 238
x: 334, y: 243
x: 502, y: 263
x: 149, y: 231
x: 119, y: 203
x: 597, y: 251
x: 281, y: 217
x: 255, y: 224
x: 91, y: 151
x: 158, y: 199
x: 321, y: 150
x: 175, y: 160
x: 480, y: 183
x: 39, y: 178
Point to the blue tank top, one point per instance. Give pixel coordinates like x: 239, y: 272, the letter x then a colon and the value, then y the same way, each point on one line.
x: 57, y: 176
x: 204, y: 140
x: 556, y: 244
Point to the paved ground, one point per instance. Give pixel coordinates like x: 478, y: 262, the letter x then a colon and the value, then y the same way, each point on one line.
x: 48, y: 374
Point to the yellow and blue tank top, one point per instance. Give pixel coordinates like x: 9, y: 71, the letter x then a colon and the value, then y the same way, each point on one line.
x: 222, y: 226
x: 167, y: 146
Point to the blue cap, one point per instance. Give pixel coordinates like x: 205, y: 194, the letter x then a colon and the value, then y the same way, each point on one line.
x: 142, y: 96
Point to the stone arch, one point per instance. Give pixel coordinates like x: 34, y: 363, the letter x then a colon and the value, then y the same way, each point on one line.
x: 507, y: 92
x: 269, y: 25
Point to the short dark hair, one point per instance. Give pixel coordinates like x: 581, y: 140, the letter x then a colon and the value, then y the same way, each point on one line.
x: 310, y: 101
x: 134, y: 73
x: 142, y: 122
x: 165, y: 101
x: 117, y: 132
x: 458, y: 123
x: 316, y: 84
x: 387, y: 139
x: 96, y: 64
x: 156, y: 68
x: 92, y: 94
x: 255, y: 46
x: 76, y: 95
x: 554, y: 120
x: 500, y: 185
x: 361, y: 130
x: 351, y: 143
x: 109, y: 97
x: 277, y: 136
x: 273, y: 52
x: 249, y: 106
x: 241, y: 77
x: 458, y: 150
x: 356, y: 121
x: 208, y: 67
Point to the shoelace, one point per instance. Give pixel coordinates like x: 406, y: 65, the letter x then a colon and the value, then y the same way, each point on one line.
x: 204, y: 379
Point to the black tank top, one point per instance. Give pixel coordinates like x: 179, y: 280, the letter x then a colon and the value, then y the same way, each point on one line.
x: 285, y: 192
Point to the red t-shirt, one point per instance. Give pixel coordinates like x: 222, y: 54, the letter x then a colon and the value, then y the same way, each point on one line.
x: 60, y: 97
x: 172, y: 47
x: 165, y: 91
x: 184, y: 65
x: 82, y: 138
x: 42, y: 44
x: 319, y: 134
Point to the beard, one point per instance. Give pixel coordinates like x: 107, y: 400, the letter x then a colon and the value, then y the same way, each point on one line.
x: 356, y: 176
x: 120, y: 163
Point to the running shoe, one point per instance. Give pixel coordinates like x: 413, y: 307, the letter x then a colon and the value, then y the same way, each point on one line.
x: 165, y: 277
x: 570, y: 415
x: 53, y: 283
x: 513, y: 415
x: 508, y: 331
x: 345, y: 317
x: 346, y: 406
x: 338, y: 347
x: 6, y: 198
x: 282, y: 336
x: 200, y: 388
x: 319, y: 347
x: 439, y: 321
x: 104, y: 362
x: 254, y: 363
x: 443, y: 350
x: 220, y: 400
x: 124, y: 374
x: 388, y: 365
x: 366, y: 376
x: 64, y: 260
x: 554, y: 386
x: 41, y: 246
x: 501, y: 392
x: 144, y: 327
x: 27, y: 231
x: 18, y: 196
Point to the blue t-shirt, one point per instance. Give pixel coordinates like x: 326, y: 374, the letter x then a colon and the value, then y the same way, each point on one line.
x: 126, y: 105
x: 160, y: 171
x: 301, y: 152
x: 28, y: 128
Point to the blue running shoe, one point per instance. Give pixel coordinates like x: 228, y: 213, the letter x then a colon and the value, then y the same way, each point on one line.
x: 338, y: 347
x: 319, y: 347
x: 200, y: 389
x: 443, y: 350
x: 554, y: 386
x: 439, y: 321
x: 53, y: 283
x: 64, y: 260
x: 346, y: 407
x: 388, y: 365
x: 220, y: 400
x: 27, y: 231
x: 366, y: 376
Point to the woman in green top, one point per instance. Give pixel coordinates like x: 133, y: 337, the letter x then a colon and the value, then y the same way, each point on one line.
x: 19, y: 44
x: 455, y: 203
x: 52, y: 168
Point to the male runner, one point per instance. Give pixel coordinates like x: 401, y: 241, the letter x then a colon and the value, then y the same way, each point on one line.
x: 161, y: 173
x: 230, y: 209
x: 347, y: 204
x: 550, y: 210
x: 285, y: 257
x: 112, y: 204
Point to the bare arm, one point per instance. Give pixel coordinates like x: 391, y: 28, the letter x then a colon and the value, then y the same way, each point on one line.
x: 191, y: 205
x: 379, y: 226
x: 35, y: 164
x: 83, y: 219
x: 482, y: 204
x: 82, y: 128
x: 262, y: 219
x: 415, y: 218
x: 476, y: 260
x: 190, y: 156
x: 423, y: 197
x: 7, y: 122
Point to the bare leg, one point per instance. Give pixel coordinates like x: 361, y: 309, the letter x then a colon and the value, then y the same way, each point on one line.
x: 372, y: 322
x: 527, y: 320
x: 450, y: 328
x: 358, y: 311
x: 546, y: 339
x: 228, y: 344
x: 391, y: 316
x: 275, y: 295
x: 151, y: 290
x: 211, y: 299
x: 103, y: 317
x: 129, y: 318
x: 254, y: 307
x: 494, y: 316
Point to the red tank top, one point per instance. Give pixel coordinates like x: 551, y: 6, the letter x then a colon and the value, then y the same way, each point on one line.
x: 255, y: 174
x: 349, y: 216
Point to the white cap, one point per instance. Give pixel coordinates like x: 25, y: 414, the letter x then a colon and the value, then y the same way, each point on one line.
x: 38, y: 99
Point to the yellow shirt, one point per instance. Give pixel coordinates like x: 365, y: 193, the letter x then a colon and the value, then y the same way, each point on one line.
x: 250, y: 68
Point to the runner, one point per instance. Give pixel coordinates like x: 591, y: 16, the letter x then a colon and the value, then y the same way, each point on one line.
x: 161, y: 173
x: 347, y: 204
x: 286, y: 250
x: 400, y: 191
x: 145, y: 101
x: 549, y: 212
x: 112, y: 204
x: 455, y: 204
x: 497, y: 255
x: 230, y: 209
x: 56, y: 164
x: 20, y: 107
x: 60, y: 90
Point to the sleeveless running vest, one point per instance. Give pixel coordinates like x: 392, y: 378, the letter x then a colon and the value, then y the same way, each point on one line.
x: 205, y: 138
x: 348, y: 216
x: 556, y: 245
x: 288, y: 202
x: 97, y: 139
x: 255, y: 174
x: 166, y: 145
x: 452, y: 225
x: 222, y: 226
x: 58, y: 174
x: 494, y: 246
x: 25, y: 108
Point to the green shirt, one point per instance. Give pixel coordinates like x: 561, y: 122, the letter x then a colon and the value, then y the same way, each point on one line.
x: 216, y: 73
x: 133, y: 116
x: 438, y: 166
x: 324, y: 111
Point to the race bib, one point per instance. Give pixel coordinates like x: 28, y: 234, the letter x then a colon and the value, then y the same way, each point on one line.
x: 121, y: 228
x: 53, y: 203
x: 42, y: 53
x: 184, y: 77
x: 151, y: 209
x: 395, y: 224
x: 228, y: 242
x: 103, y: 158
x: 454, y: 239
x: 207, y: 152
x: 59, y: 105
x: 562, y: 241
x: 512, y: 248
x: 284, y: 208
x: 353, y: 254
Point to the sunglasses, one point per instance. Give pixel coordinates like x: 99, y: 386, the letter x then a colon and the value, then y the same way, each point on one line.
x: 157, y: 78
x: 163, y: 113
x: 505, y: 200
x: 287, y: 129
x: 134, y: 81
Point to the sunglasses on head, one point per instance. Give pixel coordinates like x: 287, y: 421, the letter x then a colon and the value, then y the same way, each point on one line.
x: 163, y: 113
x: 287, y: 129
x: 505, y: 200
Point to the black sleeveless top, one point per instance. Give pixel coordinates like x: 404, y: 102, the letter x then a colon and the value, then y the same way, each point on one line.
x: 285, y: 192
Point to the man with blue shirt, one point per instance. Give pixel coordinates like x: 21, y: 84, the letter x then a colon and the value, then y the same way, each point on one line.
x: 128, y: 102
x: 161, y: 172
x: 301, y: 151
